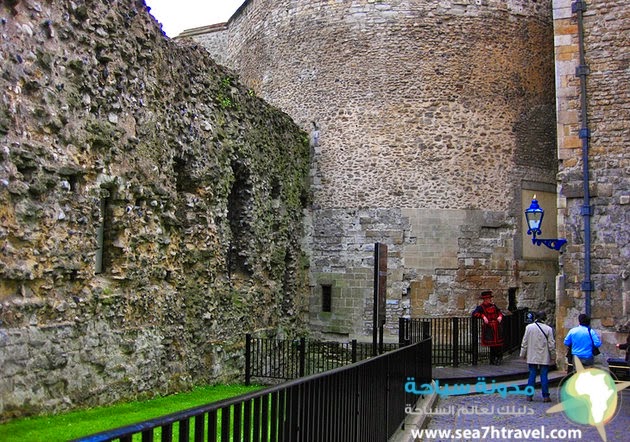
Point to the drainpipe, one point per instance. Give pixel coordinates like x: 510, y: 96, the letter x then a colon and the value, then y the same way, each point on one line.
x: 578, y: 7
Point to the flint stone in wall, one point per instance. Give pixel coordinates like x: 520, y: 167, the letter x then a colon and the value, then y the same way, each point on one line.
x: 122, y: 146
x: 437, y: 108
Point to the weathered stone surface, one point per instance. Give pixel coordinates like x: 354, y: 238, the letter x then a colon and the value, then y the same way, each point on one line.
x: 150, y: 210
x: 607, y: 115
x: 447, y: 106
x: 433, y: 119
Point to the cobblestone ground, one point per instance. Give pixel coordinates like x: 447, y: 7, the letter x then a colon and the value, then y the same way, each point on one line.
x: 497, y: 425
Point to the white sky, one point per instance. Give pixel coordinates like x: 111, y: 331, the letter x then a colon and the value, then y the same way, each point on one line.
x: 178, y: 15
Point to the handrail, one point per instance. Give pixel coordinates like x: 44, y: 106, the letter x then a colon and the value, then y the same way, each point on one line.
x: 456, y: 338
x: 286, y: 418
x: 273, y: 358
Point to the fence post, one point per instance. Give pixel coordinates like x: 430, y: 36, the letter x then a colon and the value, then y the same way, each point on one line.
x: 474, y: 328
x: 512, y: 332
x: 426, y: 329
x: 354, y: 351
x: 248, y: 358
x: 403, y: 331
x: 302, y: 351
x: 381, y: 348
x: 357, y: 406
x: 455, y: 342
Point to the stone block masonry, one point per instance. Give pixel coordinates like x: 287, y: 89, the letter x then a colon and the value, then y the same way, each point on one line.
x: 150, y: 210
x: 434, y: 118
x: 606, y: 34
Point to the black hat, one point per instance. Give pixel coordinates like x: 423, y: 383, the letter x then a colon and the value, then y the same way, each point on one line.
x: 486, y: 294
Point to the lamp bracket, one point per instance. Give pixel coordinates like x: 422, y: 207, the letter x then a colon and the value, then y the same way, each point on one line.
x: 552, y: 243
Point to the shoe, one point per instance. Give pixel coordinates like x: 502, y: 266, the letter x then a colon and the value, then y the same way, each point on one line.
x: 546, y: 399
x: 530, y: 398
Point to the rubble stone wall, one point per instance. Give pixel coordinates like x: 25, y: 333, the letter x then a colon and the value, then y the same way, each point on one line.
x: 434, y: 118
x: 150, y: 210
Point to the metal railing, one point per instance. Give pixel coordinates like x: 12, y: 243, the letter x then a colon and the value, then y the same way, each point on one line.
x: 364, y: 401
x: 456, y: 339
x: 270, y: 358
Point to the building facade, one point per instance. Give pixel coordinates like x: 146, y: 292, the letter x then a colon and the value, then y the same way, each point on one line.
x: 593, y: 126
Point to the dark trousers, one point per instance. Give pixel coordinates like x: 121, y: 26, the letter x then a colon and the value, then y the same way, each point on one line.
x: 496, y: 354
x: 586, y: 362
x: 544, y: 377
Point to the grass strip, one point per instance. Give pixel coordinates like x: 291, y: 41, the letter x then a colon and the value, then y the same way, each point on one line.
x: 62, y: 427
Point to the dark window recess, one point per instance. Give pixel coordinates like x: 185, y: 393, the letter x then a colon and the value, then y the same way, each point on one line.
x: 184, y: 176
x: 239, y: 215
x: 326, y: 298
x: 512, y: 299
x: 104, y: 234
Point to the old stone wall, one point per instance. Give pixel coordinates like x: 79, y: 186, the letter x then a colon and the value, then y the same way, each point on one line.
x: 606, y: 40
x: 212, y: 37
x: 434, y: 118
x: 150, y: 210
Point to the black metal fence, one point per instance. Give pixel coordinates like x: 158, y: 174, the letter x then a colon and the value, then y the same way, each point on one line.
x: 456, y: 340
x: 364, y: 401
x: 514, y: 329
x: 270, y: 358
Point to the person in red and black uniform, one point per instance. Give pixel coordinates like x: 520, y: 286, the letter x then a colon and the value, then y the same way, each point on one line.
x: 491, y: 332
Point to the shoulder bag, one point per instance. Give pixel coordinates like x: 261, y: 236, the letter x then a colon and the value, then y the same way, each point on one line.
x: 594, y: 349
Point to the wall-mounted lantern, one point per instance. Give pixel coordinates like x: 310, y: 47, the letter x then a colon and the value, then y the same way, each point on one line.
x: 534, y: 215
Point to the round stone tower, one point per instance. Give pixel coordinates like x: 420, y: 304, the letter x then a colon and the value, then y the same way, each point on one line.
x: 435, y: 124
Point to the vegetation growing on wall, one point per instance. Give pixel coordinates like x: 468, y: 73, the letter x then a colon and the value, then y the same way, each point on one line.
x: 150, y: 210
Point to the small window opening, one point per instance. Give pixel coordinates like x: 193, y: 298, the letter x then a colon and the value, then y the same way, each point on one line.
x: 72, y: 180
x: 326, y: 298
x: 512, y: 299
x: 104, y: 233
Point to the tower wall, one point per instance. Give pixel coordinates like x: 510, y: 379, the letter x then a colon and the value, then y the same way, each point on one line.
x: 434, y: 118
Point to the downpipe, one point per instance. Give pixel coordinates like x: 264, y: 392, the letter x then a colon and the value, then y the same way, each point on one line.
x: 578, y: 7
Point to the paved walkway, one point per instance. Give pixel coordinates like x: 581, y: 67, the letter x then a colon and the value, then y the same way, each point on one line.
x: 506, y: 418
x: 513, y: 371
x: 498, y: 425
x: 511, y: 368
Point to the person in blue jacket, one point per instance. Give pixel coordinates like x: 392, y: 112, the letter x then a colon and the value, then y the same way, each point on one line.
x: 581, y: 339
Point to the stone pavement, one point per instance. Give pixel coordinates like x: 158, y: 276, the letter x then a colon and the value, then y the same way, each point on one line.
x: 497, y: 416
x: 512, y: 368
x: 616, y: 430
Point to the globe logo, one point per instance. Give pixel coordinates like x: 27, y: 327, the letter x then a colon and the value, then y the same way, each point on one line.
x: 589, y: 397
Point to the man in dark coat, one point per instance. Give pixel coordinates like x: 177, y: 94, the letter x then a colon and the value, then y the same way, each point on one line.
x: 491, y: 331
